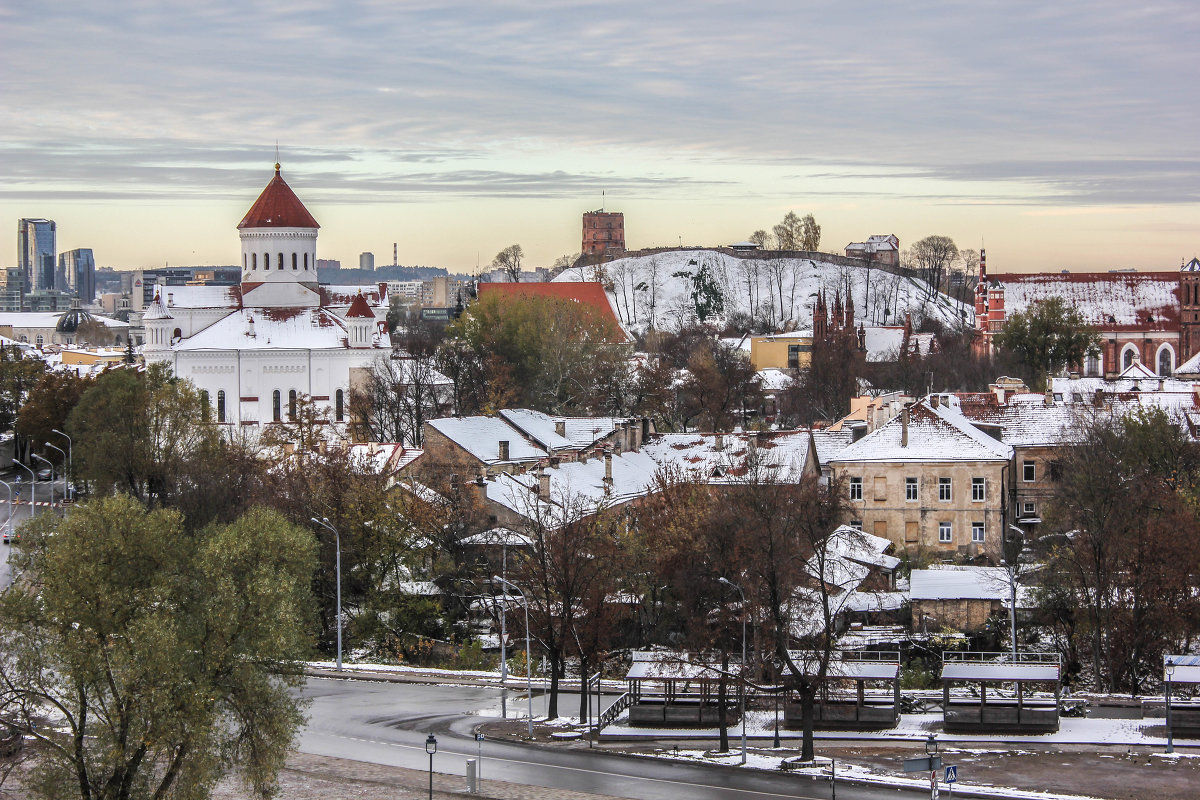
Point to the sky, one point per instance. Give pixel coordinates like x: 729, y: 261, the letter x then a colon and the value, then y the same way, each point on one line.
x: 1059, y: 136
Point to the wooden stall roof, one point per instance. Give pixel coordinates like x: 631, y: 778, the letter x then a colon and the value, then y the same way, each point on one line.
x: 1000, y: 667
x: 648, y: 666
x: 1187, y: 669
x: 884, y: 667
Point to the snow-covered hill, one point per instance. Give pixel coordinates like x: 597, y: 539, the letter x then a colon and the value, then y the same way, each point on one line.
x: 659, y: 288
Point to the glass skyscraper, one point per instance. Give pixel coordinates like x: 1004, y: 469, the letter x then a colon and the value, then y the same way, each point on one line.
x: 36, y: 253
x: 77, y: 274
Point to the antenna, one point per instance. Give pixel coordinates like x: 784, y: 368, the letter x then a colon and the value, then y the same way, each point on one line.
x: 601, y: 200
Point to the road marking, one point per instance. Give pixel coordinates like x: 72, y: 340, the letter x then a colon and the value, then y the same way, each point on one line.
x: 581, y: 769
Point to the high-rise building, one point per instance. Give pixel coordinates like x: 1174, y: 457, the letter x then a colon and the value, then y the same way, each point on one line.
x: 77, y: 270
x: 366, y: 261
x: 36, y: 253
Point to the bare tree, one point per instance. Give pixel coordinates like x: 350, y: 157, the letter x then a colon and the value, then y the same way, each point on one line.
x: 932, y: 257
x: 789, y: 232
x: 810, y: 234
x: 509, y: 260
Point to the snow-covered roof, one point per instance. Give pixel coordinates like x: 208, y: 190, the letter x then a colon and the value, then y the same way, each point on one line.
x: 954, y: 582
x: 199, y: 296
x: 774, y: 380
x: 1026, y: 420
x: 935, y: 435
x: 49, y: 319
x: 882, y: 669
x: 497, y: 536
x: 539, y: 427
x: 335, y: 294
x: 998, y: 671
x: 655, y: 666
x: 481, y: 436
x: 1190, y: 367
x: 710, y: 455
x: 273, y: 329
x: 577, y: 488
x: 1107, y: 300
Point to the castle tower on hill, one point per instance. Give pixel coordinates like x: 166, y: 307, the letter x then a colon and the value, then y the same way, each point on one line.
x: 279, y: 250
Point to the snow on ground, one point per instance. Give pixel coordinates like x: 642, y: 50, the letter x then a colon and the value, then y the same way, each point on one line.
x: 656, y: 288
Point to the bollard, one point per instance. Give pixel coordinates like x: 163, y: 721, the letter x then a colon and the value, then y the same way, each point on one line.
x: 472, y: 778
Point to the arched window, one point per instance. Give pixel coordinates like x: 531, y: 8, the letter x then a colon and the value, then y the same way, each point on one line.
x: 1091, y: 364
x: 177, y: 334
x: 254, y: 261
x: 292, y: 405
x: 221, y: 405
x: 275, y: 405
x: 339, y: 406
x: 1127, y: 358
x: 294, y: 261
x: 279, y: 262
x: 245, y: 262
x: 1166, y: 361
x: 39, y: 341
x: 204, y: 408
x: 266, y: 261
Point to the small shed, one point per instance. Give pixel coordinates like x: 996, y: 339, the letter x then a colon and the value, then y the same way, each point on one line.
x: 674, y: 689
x: 1180, y: 672
x: 861, y: 691
x: 1011, y: 708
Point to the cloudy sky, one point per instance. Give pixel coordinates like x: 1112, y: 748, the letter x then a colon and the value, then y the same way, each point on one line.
x: 1060, y: 135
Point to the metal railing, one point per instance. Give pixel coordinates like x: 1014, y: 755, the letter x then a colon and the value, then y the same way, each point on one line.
x: 962, y: 656
x: 612, y: 712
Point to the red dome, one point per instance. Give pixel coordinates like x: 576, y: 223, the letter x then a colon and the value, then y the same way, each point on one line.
x: 359, y: 308
x: 278, y: 207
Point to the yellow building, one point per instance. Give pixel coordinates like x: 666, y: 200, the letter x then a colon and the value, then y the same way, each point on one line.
x: 90, y: 358
x: 929, y: 480
x: 782, y: 350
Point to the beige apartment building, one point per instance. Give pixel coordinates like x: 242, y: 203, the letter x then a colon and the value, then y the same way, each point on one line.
x: 928, y: 480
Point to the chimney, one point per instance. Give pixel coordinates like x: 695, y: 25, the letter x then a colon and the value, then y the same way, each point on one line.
x: 544, y: 486
x: 483, y: 473
x: 250, y: 327
x: 1098, y: 398
x: 170, y: 298
x: 560, y: 427
x: 608, y: 468
x: 904, y: 427
x: 504, y: 449
x: 720, y: 445
x: 1049, y: 399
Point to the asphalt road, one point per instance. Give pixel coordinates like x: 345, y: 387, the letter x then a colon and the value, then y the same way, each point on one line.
x: 387, y: 723
x: 20, y: 514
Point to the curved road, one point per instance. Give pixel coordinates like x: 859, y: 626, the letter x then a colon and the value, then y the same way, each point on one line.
x: 386, y: 723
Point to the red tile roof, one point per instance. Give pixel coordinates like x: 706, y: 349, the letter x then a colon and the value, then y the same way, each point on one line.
x: 590, y: 293
x: 278, y: 207
x: 359, y: 308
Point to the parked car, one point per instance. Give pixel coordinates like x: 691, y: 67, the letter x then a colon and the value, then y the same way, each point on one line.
x: 44, y: 474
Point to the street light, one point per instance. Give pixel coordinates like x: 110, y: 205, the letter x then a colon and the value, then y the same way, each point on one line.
x: 32, y: 488
x: 1012, y: 584
x: 1169, y: 669
x: 431, y: 748
x: 70, y: 461
x: 931, y: 745
x: 528, y: 653
x: 742, y: 694
x: 337, y: 539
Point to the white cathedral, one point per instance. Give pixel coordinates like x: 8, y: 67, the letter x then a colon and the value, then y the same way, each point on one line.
x: 254, y: 349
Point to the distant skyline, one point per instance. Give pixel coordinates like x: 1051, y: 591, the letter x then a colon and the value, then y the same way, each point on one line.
x: 1062, y: 137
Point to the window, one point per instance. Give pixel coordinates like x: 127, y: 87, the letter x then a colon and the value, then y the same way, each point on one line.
x: 978, y: 489
x: 912, y: 531
x: 254, y: 261
x: 856, y: 524
x: 275, y: 405
x: 279, y: 262
x: 881, y: 528
x: 1028, y: 471
x: 306, y: 260
x: 221, y: 405
x: 855, y: 483
x: 793, y: 356
x: 977, y: 532
x: 295, y: 262
x: 910, y: 488
x: 1029, y: 509
x: 339, y: 406
x: 292, y: 405
x: 945, y: 489
x: 945, y: 533
x: 880, y: 488
x: 176, y: 334
x: 266, y: 260
x: 245, y: 262
x: 39, y: 341
x: 1165, y: 362
x: 1127, y: 359
x: 1091, y: 364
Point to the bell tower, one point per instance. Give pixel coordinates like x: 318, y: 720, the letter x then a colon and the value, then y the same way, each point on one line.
x: 1189, y: 309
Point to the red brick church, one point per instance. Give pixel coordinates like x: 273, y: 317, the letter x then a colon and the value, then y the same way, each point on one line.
x: 1152, y: 317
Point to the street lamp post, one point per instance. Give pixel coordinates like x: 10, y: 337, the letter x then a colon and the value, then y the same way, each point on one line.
x: 1014, y: 570
x: 931, y: 748
x: 64, y: 455
x: 1169, y: 671
x: 503, y: 634
x: 528, y: 654
x: 337, y: 539
x: 431, y: 748
x: 70, y: 462
x: 742, y: 694
x: 32, y: 487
